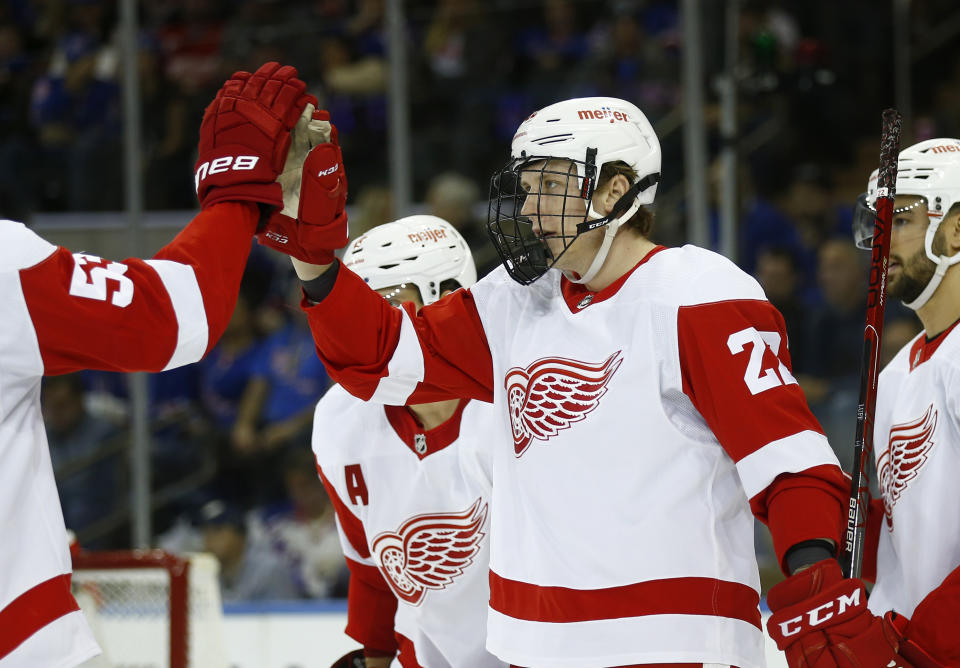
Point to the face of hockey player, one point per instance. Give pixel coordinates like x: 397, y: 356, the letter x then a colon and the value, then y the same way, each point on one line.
x: 910, y: 269
x: 555, y: 207
x: 398, y: 294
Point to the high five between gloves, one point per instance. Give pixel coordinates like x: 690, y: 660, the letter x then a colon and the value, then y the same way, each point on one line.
x: 245, y: 136
x: 313, y: 222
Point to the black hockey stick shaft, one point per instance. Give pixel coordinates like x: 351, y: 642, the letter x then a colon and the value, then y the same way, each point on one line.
x: 872, y: 336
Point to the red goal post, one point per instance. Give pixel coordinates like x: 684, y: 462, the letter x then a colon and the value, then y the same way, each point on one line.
x: 152, y: 608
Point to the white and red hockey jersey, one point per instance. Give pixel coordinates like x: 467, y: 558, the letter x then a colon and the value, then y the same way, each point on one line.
x: 916, y: 444
x: 64, y: 312
x: 413, y: 511
x: 638, y: 427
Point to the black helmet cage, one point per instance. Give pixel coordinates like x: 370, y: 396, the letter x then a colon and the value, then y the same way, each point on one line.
x: 518, y: 238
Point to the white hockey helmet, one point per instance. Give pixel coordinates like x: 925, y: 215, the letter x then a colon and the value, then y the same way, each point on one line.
x: 930, y: 169
x: 421, y: 250
x: 590, y: 132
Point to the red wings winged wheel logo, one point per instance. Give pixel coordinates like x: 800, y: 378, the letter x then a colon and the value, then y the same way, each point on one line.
x: 429, y: 551
x: 553, y: 393
x: 907, y: 451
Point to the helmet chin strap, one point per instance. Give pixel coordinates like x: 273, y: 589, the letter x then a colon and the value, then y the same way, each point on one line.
x: 604, y: 250
x: 943, y: 263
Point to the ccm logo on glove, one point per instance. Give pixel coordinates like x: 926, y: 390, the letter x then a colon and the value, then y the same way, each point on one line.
x: 822, y: 613
x: 237, y: 163
x: 328, y: 171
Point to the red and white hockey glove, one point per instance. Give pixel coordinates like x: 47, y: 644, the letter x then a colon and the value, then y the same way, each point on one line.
x: 313, y: 222
x: 821, y: 620
x: 245, y: 136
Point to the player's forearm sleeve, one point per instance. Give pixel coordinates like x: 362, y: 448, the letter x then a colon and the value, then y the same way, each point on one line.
x: 371, y: 605
x: 397, y: 356
x: 371, y: 608
x: 141, y: 315
x: 933, y: 625
x: 799, y: 507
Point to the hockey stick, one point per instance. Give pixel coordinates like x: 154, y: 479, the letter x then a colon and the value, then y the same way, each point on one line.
x: 872, y: 333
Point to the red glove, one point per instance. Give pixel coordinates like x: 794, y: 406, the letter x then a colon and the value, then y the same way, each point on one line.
x: 321, y: 223
x: 821, y: 620
x: 245, y: 135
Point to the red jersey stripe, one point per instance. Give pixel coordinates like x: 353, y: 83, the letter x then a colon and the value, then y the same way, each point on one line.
x: 673, y: 596
x: 33, y: 609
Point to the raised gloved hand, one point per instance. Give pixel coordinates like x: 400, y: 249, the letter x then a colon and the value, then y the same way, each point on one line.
x: 245, y: 136
x: 821, y: 620
x: 313, y: 222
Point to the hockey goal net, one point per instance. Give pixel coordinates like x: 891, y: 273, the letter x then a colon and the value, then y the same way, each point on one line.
x: 152, y: 609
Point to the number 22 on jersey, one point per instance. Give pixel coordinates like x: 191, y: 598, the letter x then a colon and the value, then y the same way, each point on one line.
x: 756, y: 377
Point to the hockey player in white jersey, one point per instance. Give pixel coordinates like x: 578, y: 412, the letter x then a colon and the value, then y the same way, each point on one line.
x: 645, y: 409
x: 911, y: 549
x: 66, y: 311
x: 411, y: 484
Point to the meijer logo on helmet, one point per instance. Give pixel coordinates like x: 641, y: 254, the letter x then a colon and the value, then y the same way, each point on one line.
x: 945, y: 148
x: 602, y: 112
x: 429, y: 234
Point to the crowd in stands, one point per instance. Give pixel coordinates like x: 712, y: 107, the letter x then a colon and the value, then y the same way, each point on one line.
x: 229, y: 434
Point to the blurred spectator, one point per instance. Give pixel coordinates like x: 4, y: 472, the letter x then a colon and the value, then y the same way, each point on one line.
x: 778, y: 273
x: 75, y: 110
x: 454, y: 198
x: 275, y: 411
x: 169, y: 135
x: 249, y: 569
x: 372, y: 206
x: 553, y: 50
x: 303, y: 530
x: 287, y: 379
x: 897, y: 333
x: 190, y: 44
x: 832, y: 376
x: 17, y: 160
x: 225, y: 372
x: 88, y: 459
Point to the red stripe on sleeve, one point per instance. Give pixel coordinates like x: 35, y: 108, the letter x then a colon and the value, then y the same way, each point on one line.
x: 739, y: 385
x: 216, y: 244
x: 356, y: 333
x: 674, y: 596
x: 33, y: 609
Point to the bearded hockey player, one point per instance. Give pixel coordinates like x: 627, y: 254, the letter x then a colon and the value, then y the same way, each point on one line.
x: 68, y: 311
x: 645, y: 407
x: 411, y: 484
x: 917, y: 521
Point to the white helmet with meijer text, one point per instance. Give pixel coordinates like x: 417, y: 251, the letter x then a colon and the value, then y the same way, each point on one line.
x: 423, y: 251
x: 588, y: 132
x: 930, y: 169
